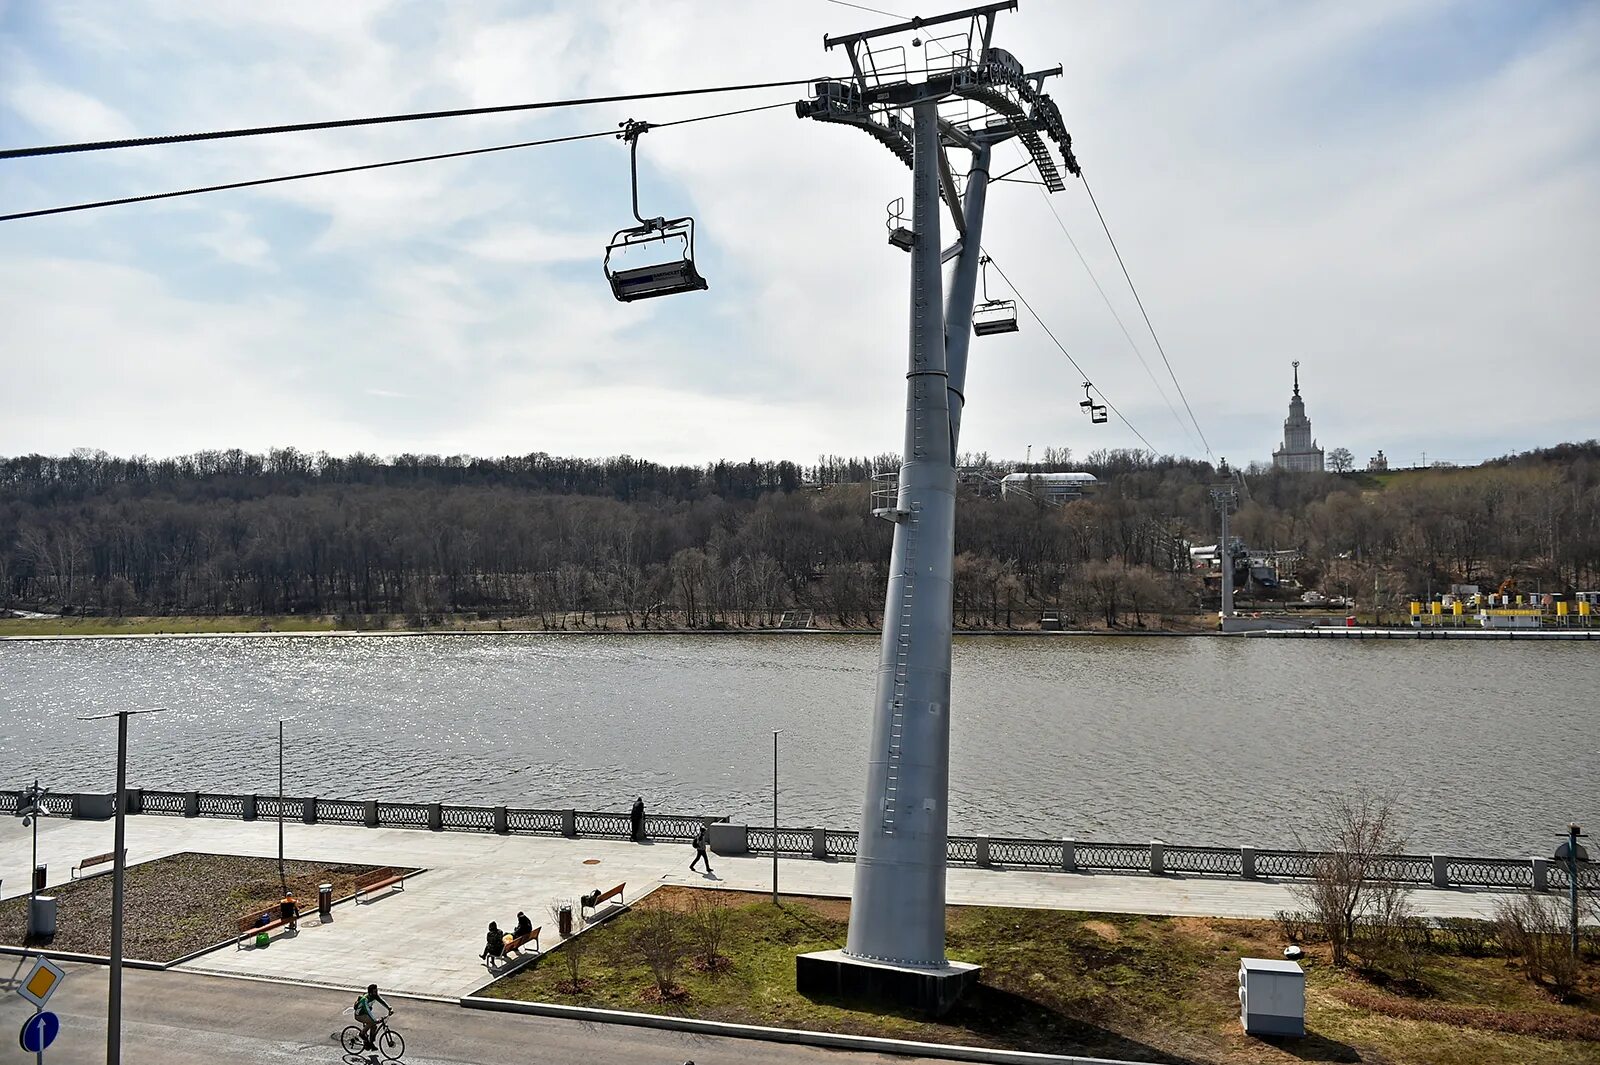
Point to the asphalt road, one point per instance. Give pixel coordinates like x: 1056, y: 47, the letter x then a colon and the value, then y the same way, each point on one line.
x: 186, y: 1019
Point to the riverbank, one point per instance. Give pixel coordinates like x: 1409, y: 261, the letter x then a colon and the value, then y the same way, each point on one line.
x: 190, y: 625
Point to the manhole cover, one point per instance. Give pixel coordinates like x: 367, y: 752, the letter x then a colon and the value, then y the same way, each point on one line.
x: 591, y: 861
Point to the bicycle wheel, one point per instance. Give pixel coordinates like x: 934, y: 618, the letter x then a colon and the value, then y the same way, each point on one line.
x: 390, y: 1045
x: 351, y: 1040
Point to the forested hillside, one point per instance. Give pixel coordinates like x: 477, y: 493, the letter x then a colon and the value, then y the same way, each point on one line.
x: 562, y: 540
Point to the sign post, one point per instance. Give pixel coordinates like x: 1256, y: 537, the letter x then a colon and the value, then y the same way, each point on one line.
x: 40, y: 1030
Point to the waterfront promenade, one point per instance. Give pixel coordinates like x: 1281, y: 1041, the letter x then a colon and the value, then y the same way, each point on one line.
x: 425, y: 940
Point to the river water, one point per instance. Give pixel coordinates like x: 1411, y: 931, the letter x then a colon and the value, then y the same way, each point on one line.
x: 1487, y: 748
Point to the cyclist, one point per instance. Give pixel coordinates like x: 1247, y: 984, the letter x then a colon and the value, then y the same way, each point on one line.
x: 364, y: 1017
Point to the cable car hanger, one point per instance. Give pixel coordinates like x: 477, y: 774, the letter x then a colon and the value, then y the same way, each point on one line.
x: 661, y: 250
x: 1096, y: 411
x: 992, y: 316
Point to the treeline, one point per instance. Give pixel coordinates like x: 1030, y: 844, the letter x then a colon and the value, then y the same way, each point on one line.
x: 569, y: 540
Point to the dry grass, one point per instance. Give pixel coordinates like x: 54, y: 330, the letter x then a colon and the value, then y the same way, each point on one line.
x: 1113, y: 985
x: 176, y: 905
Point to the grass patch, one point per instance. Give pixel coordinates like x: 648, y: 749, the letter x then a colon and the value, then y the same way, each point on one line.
x: 1112, y: 985
x: 170, y: 626
x: 176, y: 905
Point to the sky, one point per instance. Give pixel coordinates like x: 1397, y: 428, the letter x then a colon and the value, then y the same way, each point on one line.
x: 1404, y: 195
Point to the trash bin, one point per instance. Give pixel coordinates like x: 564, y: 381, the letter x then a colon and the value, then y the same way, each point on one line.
x: 43, y: 917
x: 564, y: 920
x: 325, y: 901
x: 39, y: 876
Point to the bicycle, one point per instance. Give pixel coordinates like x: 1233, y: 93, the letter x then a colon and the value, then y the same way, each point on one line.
x: 390, y: 1045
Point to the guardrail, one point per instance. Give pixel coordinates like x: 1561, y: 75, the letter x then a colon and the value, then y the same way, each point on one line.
x: 1155, y: 858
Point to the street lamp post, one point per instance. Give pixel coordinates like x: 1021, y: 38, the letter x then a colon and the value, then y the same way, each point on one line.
x: 282, y: 879
x: 119, y: 867
x: 31, y: 809
x: 775, y: 816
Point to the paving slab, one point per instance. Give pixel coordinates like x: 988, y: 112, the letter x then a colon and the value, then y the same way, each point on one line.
x: 426, y: 938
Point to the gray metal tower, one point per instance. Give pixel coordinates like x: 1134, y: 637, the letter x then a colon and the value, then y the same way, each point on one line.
x: 953, y: 90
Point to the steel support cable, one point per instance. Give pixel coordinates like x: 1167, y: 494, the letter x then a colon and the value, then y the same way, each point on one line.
x: 1081, y: 372
x: 1120, y: 325
x: 417, y: 116
x: 370, y: 166
x: 1084, y: 178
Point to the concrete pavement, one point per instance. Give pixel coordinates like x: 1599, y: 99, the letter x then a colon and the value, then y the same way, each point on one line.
x: 426, y: 939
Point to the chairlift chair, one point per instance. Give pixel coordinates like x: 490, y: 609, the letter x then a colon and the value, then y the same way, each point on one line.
x: 656, y: 257
x: 1096, y: 411
x: 993, y: 316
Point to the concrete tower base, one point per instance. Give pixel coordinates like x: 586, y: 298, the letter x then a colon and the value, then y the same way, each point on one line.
x: 933, y: 991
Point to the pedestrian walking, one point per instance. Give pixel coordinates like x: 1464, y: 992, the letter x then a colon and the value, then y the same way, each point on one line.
x: 702, y: 852
x: 637, y: 817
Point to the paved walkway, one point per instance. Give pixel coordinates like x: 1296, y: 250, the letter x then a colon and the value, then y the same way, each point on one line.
x: 426, y: 939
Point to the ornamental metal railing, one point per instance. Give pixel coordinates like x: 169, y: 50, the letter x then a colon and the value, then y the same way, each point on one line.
x: 403, y: 814
x: 999, y: 852
x: 164, y: 802
x: 221, y: 805
x: 467, y: 818
x: 614, y: 826
x: 534, y: 822
x: 1203, y: 861
x: 342, y: 811
x: 1489, y: 872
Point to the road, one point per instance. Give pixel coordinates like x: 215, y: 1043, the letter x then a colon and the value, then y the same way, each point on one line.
x: 174, y: 1018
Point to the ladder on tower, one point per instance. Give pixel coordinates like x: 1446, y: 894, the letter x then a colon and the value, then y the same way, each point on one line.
x: 902, y: 671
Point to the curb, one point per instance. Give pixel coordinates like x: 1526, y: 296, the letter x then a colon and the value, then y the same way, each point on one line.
x: 86, y: 959
x: 831, y: 1040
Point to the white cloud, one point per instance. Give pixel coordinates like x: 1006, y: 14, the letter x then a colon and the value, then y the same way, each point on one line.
x: 1408, y: 209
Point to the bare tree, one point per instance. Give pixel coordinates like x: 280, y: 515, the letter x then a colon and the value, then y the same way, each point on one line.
x: 709, y: 920
x: 658, y: 937
x: 1340, y: 460
x: 1346, y: 887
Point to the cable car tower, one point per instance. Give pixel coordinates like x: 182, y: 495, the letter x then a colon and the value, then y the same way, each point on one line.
x: 952, y: 90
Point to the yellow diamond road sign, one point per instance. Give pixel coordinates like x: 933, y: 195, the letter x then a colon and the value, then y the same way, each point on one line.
x: 42, y: 982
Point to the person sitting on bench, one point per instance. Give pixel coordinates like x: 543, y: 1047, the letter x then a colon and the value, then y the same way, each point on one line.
x: 289, y: 910
x: 495, y: 945
x: 524, y: 926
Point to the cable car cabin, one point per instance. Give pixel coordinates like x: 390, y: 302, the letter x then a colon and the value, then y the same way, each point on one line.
x: 995, y: 316
x: 655, y: 259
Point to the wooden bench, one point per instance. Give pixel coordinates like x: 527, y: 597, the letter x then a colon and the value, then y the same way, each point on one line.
x: 379, y: 879
x: 516, y: 943
x: 596, y: 897
x: 251, y: 924
x: 95, y: 859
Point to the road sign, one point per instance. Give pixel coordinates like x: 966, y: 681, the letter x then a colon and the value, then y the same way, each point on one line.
x: 42, y: 982
x: 39, y: 1031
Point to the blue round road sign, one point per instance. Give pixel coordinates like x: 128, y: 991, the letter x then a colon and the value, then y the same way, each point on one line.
x: 39, y: 1031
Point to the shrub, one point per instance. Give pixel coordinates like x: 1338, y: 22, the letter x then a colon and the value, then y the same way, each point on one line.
x: 657, y: 936
x: 1299, y: 926
x: 572, y: 949
x: 1345, y: 891
x: 708, y: 922
x: 1466, y: 935
x: 1532, y: 928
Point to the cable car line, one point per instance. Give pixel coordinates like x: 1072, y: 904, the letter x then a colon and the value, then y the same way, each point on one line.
x: 417, y: 116
x: 1084, y: 178
x: 369, y: 166
x: 1081, y: 372
x: 1120, y: 324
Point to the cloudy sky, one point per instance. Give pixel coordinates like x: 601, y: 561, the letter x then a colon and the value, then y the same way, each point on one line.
x: 1402, y: 194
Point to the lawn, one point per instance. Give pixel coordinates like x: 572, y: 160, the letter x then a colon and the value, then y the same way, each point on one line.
x: 176, y: 905
x: 1123, y: 986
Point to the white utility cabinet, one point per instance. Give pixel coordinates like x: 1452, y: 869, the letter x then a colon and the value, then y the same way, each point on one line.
x: 1272, y: 997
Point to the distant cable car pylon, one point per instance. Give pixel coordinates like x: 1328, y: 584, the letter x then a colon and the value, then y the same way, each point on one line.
x: 645, y: 244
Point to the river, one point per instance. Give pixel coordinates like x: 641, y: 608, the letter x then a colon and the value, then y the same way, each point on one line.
x: 1486, y: 748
